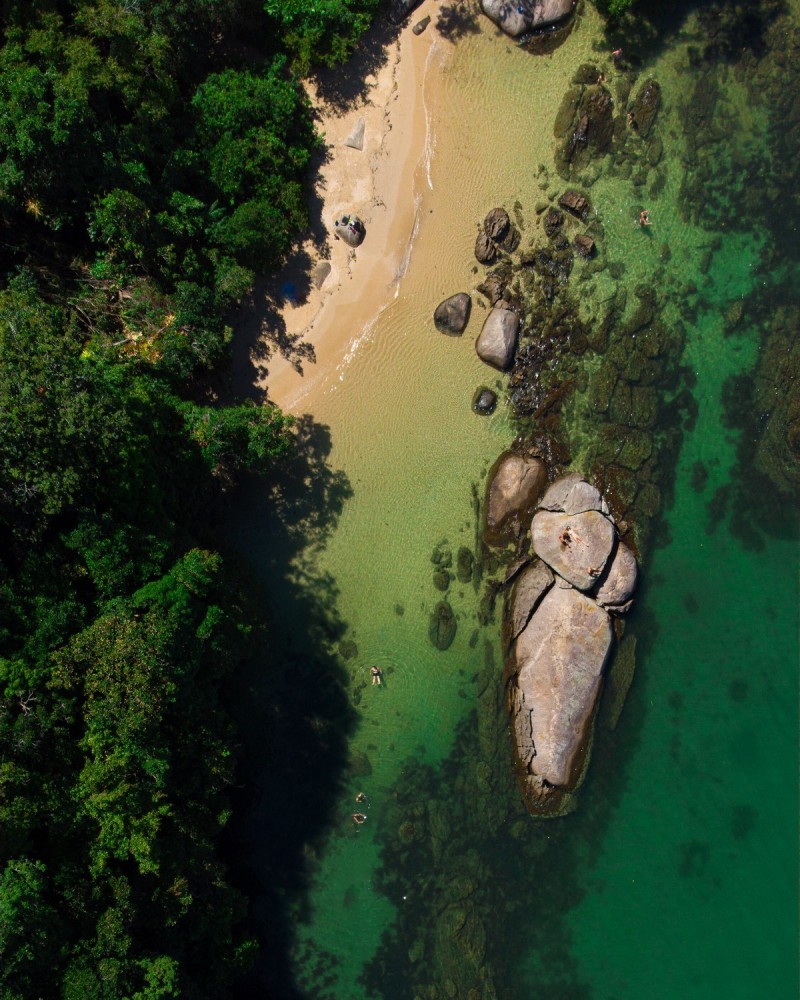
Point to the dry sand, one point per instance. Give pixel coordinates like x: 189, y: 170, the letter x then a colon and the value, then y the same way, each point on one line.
x: 377, y: 183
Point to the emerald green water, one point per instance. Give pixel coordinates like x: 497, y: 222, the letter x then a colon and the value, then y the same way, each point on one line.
x: 677, y: 876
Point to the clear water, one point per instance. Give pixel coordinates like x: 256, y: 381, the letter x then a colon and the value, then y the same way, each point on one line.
x: 677, y: 875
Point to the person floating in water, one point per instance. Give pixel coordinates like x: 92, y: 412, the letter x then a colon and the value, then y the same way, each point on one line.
x: 644, y: 218
x: 616, y: 55
x: 359, y: 818
x: 361, y: 797
x: 376, y: 675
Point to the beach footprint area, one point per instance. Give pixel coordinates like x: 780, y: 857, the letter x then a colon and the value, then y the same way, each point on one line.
x: 671, y: 338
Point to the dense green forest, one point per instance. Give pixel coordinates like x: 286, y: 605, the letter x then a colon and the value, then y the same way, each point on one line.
x: 153, y: 159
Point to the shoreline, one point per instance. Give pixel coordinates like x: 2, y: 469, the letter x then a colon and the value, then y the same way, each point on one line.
x: 316, y: 337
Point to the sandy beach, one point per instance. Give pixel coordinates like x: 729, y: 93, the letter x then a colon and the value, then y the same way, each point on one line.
x: 380, y: 184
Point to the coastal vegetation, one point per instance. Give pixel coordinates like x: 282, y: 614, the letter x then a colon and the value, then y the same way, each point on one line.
x: 153, y: 159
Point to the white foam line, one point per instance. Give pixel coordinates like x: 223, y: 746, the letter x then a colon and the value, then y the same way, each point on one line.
x: 430, y: 138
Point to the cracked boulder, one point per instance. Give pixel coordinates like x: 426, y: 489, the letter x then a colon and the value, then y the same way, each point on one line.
x: 553, y: 685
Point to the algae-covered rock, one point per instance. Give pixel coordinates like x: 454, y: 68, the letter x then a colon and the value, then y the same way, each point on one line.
x: 465, y: 564
x: 442, y: 626
x: 514, y: 485
x: 441, y: 579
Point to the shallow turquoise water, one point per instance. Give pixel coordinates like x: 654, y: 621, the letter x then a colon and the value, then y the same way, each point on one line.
x: 678, y: 874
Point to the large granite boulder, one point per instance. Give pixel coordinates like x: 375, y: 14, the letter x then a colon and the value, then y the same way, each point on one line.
x: 497, y: 342
x: 530, y: 587
x: 620, y: 580
x: 515, y: 484
x: 553, y: 688
x: 572, y: 494
x: 576, y: 546
x: 516, y: 17
x: 559, y: 638
x: 452, y: 315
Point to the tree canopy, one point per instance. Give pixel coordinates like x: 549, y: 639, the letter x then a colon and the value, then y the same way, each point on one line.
x: 153, y: 158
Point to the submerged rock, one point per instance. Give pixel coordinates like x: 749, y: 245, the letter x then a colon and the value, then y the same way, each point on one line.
x: 497, y: 342
x: 442, y: 626
x: 452, y: 315
x: 645, y: 107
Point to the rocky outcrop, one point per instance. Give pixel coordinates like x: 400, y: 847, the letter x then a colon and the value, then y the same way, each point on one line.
x: 497, y: 342
x: 496, y: 224
x: 452, y: 315
x: 584, y: 246
x: 515, y: 484
x: 558, y: 631
x: 517, y: 17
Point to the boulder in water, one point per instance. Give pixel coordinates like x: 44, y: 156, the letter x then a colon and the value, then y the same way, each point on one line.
x: 516, y: 17
x: 515, y: 484
x: 497, y: 342
x: 452, y: 315
x: 484, y: 402
x: 496, y: 224
x: 485, y: 250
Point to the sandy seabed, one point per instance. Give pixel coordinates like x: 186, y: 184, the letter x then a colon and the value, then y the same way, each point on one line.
x: 380, y: 184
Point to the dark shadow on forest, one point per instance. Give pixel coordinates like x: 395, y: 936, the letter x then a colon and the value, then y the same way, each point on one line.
x: 341, y: 87
x: 290, y: 702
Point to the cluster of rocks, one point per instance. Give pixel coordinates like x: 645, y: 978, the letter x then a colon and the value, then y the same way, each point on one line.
x: 498, y: 341
x: 442, y: 624
x: 591, y: 122
x: 559, y: 632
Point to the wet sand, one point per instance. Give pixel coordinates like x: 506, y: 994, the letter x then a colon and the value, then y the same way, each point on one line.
x: 380, y: 184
